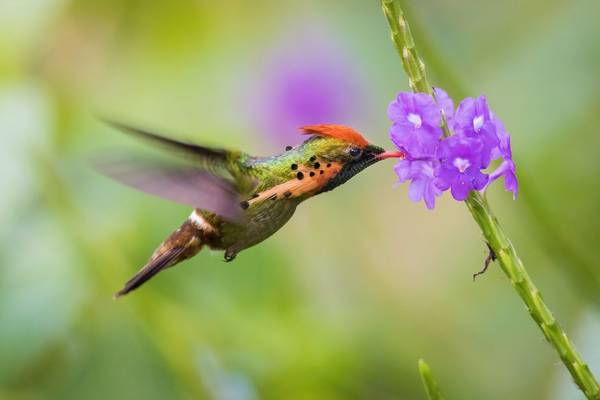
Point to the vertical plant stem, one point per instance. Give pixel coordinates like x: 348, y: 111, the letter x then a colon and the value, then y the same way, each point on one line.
x: 494, y: 235
x: 514, y: 269
x: 431, y: 387
x: 405, y: 45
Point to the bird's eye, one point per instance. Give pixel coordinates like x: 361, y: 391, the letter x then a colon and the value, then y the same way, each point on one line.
x: 354, y: 152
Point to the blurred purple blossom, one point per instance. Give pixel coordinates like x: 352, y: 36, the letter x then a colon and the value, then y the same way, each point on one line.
x: 308, y: 82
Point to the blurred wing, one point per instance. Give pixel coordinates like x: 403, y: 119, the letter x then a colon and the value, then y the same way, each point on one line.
x: 182, y: 184
x: 211, y: 159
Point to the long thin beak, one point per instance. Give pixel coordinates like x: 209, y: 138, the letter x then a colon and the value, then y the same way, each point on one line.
x: 390, y: 154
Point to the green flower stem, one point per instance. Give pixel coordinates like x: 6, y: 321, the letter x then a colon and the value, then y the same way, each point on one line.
x: 489, y: 225
x: 431, y: 386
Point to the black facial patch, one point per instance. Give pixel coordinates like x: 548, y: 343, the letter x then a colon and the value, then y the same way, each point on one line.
x: 349, y: 169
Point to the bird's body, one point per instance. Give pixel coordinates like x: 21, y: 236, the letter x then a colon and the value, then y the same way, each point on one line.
x: 240, y: 200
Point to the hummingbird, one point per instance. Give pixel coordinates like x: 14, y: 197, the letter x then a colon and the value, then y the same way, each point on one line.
x: 238, y: 199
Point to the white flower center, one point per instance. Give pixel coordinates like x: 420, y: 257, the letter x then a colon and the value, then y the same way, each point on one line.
x: 461, y: 163
x: 415, y: 119
x: 477, y: 123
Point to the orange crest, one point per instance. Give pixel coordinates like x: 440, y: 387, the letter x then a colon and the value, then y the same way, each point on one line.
x: 336, y: 131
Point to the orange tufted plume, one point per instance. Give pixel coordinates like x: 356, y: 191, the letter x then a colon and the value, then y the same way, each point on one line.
x: 336, y: 131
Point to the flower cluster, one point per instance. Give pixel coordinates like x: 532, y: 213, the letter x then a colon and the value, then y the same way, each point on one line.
x: 433, y: 163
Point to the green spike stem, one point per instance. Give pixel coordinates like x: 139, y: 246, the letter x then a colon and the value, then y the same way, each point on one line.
x: 431, y: 387
x: 489, y: 225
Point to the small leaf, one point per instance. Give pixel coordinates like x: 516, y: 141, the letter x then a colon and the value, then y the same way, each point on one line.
x: 431, y: 386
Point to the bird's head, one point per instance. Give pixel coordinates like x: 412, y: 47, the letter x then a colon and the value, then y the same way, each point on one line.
x: 346, y: 148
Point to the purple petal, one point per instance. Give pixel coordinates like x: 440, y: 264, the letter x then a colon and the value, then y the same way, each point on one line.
x: 416, y: 189
x: 474, y: 119
x: 427, y: 109
x: 422, y: 176
x: 430, y: 194
x: 511, y: 183
x: 505, y: 148
x: 507, y: 170
x: 460, y: 190
x: 465, y: 112
x: 482, y: 108
x: 444, y: 102
x: 455, y: 146
x: 445, y: 178
x: 403, y: 170
x: 478, y: 179
x: 395, y: 111
x: 416, y: 127
x: 418, y: 143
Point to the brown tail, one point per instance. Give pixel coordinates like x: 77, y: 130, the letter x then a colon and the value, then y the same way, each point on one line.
x: 184, y: 243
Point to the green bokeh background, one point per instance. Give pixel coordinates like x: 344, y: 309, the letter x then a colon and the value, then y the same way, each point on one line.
x: 345, y: 299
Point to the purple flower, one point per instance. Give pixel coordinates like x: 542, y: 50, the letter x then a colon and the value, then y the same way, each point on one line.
x: 473, y: 119
x: 422, y: 177
x: 312, y: 82
x: 460, y: 166
x: 416, y: 127
x: 434, y: 164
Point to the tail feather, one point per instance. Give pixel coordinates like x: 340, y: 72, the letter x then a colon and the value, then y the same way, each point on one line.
x: 184, y: 243
x: 153, y: 267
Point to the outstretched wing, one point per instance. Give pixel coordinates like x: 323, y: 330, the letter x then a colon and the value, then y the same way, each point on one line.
x: 212, y: 179
x: 215, y: 160
x: 179, y: 183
